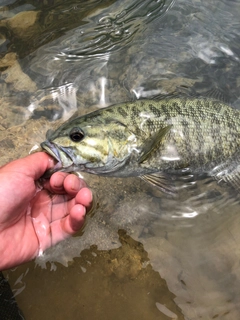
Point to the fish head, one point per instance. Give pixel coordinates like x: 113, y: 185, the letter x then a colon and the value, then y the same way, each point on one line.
x: 85, y: 144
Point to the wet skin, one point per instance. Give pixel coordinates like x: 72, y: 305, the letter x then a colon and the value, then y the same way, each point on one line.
x: 33, y: 219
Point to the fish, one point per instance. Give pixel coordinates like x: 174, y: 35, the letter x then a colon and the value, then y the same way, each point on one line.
x: 153, y: 139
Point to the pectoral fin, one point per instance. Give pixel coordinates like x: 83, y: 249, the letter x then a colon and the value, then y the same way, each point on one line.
x: 152, y: 142
x: 161, y: 181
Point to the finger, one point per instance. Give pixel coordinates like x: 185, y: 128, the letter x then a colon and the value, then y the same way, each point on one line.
x: 67, y: 226
x: 72, y: 184
x: 63, y: 204
x: 75, y: 220
x: 33, y: 165
x: 84, y: 197
x: 56, y: 183
x: 62, y: 183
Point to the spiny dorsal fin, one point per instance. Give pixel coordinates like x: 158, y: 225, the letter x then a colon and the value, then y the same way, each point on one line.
x: 151, y: 143
x: 167, y: 96
x: 217, y: 94
x: 186, y: 92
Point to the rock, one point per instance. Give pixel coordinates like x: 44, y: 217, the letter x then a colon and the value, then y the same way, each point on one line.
x: 21, y: 22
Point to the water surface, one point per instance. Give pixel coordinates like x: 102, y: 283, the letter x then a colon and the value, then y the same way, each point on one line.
x: 141, y: 254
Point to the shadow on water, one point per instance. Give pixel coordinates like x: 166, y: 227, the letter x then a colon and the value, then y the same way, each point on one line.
x: 141, y: 254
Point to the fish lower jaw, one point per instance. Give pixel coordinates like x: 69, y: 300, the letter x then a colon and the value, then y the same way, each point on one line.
x: 65, y: 167
x: 59, y: 168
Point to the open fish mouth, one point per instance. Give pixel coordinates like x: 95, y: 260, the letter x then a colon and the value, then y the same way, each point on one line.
x: 61, y: 155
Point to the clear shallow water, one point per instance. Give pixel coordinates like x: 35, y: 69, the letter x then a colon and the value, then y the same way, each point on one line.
x: 189, y: 244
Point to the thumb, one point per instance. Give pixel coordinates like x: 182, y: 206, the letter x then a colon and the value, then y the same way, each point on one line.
x: 33, y: 165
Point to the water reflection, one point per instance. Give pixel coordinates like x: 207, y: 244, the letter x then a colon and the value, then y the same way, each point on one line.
x: 191, y: 241
x: 62, y: 99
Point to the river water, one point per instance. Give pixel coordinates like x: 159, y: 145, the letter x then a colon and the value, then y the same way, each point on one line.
x: 142, y: 254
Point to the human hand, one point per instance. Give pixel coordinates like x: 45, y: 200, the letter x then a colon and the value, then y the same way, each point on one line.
x: 31, y: 220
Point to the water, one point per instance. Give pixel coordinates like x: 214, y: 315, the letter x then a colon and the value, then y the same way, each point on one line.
x: 142, y: 254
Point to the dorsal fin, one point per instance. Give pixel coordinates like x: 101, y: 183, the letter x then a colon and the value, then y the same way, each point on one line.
x: 217, y: 94
x: 186, y: 92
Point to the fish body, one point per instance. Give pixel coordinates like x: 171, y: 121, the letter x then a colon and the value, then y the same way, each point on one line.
x: 146, y: 137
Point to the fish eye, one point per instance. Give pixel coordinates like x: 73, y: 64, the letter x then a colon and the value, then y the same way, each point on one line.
x: 76, y: 135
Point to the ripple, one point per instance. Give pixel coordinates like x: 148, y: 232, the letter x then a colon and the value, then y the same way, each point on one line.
x: 116, y: 29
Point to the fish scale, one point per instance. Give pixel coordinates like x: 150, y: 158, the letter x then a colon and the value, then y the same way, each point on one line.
x: 146, y: 137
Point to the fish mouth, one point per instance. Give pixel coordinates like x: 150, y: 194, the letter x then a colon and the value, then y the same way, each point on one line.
x: 61, y: 155
x: 51, y: 149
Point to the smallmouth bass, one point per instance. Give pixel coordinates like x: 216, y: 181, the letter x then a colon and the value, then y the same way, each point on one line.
x: 151, y: 139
